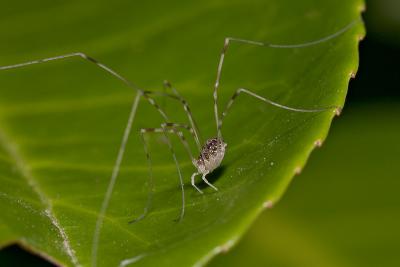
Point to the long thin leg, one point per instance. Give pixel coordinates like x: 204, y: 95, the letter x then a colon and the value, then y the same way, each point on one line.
x: 337, y: 110
x: 176, y: 96
x: 174, y: 127
x: 78, y: 54
x: 164, y: 130
x: 189, y: 114
x: 268, y: 101
x: 113, y: 179
x: 193, y: 183
x: 98, y: 64
x: 193, y: 128
x: 151, y: 180
x: 144, y: 93
x: 120, y: 155
x: 228, y: 40
x: 179, y: 174
x: 207, y: 182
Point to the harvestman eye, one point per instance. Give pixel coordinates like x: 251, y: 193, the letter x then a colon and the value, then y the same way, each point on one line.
x: 211, y: 154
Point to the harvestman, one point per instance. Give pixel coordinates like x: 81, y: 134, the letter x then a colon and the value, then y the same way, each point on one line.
x: 213, y: 151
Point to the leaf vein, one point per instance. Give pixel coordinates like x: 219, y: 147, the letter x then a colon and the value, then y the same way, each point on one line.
x: 24, y: 170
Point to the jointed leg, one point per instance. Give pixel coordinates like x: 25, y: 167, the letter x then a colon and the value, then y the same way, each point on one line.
x: 193, y: 129
x: 174, y: 128
x: 207, y: 182
x: 98, y: 64
x: 228, y: 40
x: 189, y: 114
x: 142, y: 93
x: 179, y: 174
x: 193, y: 183
x: 145, y: 94
x: 164, y: 130
x: 151, y: 181
x: 203, y: 177
x: 113, y: 179
x: 78, y: 54
x: 268, y: 101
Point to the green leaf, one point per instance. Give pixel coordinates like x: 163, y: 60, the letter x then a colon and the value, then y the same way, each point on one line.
x: 61, y: 123
x: 354, y: 222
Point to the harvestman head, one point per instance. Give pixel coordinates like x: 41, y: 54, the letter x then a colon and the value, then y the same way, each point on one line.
x: 211, y: 153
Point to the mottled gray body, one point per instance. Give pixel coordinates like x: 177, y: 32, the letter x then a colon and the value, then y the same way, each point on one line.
x: 211, y: 156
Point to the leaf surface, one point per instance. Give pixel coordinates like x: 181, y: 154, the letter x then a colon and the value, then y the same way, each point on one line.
x: 354, y: 222
x: 61, y: 123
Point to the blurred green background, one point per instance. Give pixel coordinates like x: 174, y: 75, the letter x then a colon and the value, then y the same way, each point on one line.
x: 344, y: 209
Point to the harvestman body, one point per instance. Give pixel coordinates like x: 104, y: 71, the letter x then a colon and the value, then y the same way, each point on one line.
x: 212, y: 153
